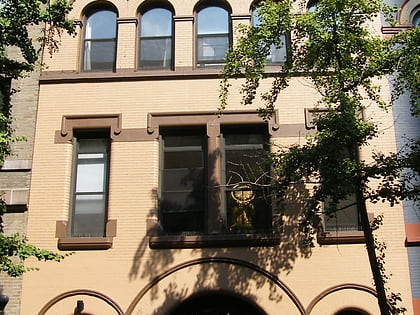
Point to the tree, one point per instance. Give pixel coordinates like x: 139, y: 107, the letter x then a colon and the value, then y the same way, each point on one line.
x: 332, y: 48
x: 16, y: 17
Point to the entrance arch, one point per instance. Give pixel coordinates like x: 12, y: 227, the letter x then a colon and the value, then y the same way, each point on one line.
x: 216, y: 303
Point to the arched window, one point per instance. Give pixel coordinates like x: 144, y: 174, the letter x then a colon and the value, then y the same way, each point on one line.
x: 277, y: 54
x: 100, y: 40
x: 156, y: 39
x: 351, y: 311
x: 213, y: 35
x: 416, y: 18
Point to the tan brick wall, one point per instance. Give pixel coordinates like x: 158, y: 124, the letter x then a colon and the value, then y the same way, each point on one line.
x: 126, y: 270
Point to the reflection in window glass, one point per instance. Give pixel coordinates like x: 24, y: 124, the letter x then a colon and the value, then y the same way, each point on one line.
x: 212, y: 35
x: 182, y: 194
x: 155, y: 49
x: 100, y: 41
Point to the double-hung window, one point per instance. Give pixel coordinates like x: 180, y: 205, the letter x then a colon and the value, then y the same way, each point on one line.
x: 213, y: 35
x: 277, y: 53
x: 156, y: 39
x: 225, y: 186
x: 90, y: 186
x: 100, y: 40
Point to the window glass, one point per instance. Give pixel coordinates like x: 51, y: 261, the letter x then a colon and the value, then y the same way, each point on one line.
x: 182, y: 194
x: 213, y: 38
x: 90, y: 188
x: 239, y: 186
x: 345, y: 219
x: 100, y: 41
x: 276, y: 54
x: 245, y: 172
x: 416, y: 19
x: 155, y: 49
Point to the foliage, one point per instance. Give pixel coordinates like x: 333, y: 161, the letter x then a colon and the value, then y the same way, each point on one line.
x: 333, y: 48
x: 19, y: 56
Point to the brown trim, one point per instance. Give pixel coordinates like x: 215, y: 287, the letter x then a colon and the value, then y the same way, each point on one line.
x: 104, y: 121
x: 123, y: 75
x: 127, y: 20
x: 340, y: 237
x: 183, y: 18
x: 96, y: 294
x: 240, y: 17
x: 412, y: 232
x: 83, y: 243
x: 220, y: 240
x: 391, y: 30
x: 173, y: 119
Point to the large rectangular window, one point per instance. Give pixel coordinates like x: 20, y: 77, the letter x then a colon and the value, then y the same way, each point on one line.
x: 223, y: 189
x: 90, y: 186
x: 182, y: 202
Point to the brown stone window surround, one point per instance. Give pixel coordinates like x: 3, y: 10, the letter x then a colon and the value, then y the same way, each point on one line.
x: 89, y: 123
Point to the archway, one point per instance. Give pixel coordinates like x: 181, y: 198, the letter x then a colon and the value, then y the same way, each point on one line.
x: 217, y: 303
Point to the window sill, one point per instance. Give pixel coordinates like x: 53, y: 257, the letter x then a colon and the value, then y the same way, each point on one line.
x: 220, y: 240
x: 81, y: 243
x: 340, y: 237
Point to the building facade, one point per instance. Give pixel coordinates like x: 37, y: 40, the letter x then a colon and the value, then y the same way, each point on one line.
x: 162, y: 202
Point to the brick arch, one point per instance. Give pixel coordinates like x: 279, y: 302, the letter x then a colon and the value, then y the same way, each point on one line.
x: 221, y: 260
x: 87, y: 292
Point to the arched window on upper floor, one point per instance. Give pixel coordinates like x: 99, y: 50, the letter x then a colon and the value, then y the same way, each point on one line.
x: 213, y: 33
x: 277, y: 54
x: 100, y: 39
x: 416, y: 17
x: 156, y: 46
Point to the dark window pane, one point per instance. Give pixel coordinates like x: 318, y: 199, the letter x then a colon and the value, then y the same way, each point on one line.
x: 183, y: 159
x: 345, y: 219
x: 99, y: 55
x: 182, y: 223
x: 212, y: 48
x: 182, y: 201
x: 184, y: 178
x: 155, y: 53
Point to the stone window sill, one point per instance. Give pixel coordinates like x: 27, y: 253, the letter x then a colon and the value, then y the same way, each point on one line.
x: 81, y: 243
x: 66, y: 242
x: 219, y: 240
x: 340, y: 237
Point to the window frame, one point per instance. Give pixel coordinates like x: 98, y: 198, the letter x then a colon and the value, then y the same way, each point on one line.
x: 109, y: 125
x: 142, y: 11
x: 202, y: 63
x: 215, y: 235
x: 273, y: 48
x: 89, y: 12
x: 77, y: 162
